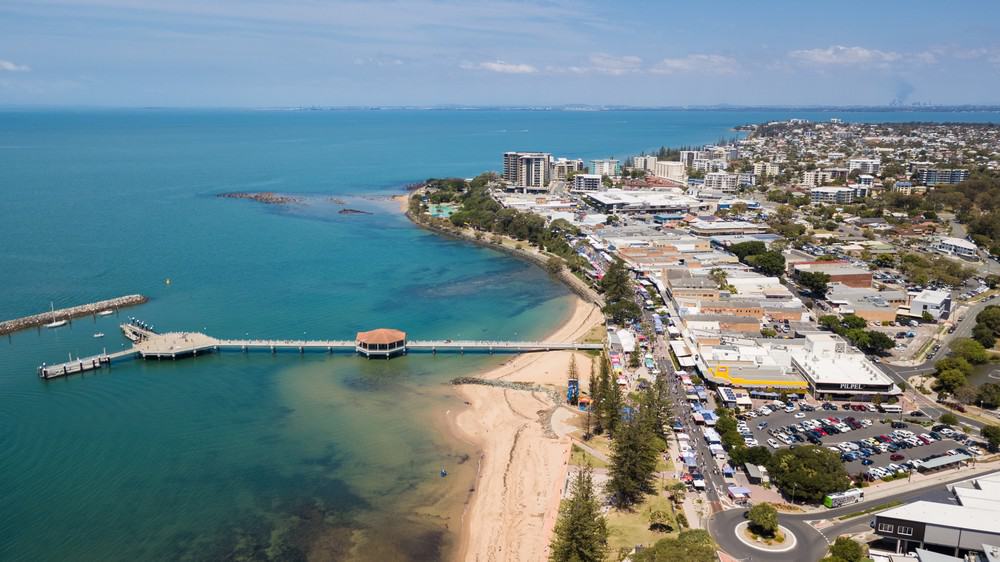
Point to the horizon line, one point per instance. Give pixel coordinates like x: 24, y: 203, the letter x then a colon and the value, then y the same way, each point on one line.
x: 990, y: 107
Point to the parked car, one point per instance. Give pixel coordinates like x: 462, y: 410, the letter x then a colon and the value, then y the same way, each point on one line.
x: 896, y: 457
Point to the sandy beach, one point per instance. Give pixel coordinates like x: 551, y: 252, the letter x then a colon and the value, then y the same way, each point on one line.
x: 403, y: 201
x: 521, y: 469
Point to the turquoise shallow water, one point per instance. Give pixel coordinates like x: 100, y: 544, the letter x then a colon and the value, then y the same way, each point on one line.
x: 260, y: 457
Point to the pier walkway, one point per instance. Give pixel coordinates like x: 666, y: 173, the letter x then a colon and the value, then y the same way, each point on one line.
x: 148, y: 344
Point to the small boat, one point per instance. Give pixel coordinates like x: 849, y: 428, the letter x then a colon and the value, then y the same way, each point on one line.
x: 99, y: 335
x: 444, y: 473
x: 108, y: 312
x: 55, y: 323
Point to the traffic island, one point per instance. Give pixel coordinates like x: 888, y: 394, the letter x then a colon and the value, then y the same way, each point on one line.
x: 783, y: 541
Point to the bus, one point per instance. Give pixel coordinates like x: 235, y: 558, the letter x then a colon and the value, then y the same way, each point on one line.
x: 854, y: 495
x: 892, y: 408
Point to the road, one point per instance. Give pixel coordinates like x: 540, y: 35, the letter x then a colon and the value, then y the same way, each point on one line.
x: 715, y: 485
x: 900, y: 374
x: 812, y: 543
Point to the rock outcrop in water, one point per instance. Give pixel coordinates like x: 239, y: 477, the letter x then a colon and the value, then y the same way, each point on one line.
x: 346, y: 211
x: 266, y: 197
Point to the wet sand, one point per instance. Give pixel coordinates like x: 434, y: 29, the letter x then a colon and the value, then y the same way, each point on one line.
x: 521, y: 470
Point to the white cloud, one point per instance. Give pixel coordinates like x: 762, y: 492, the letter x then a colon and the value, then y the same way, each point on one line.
x: 845, y: 56
x: 616, y: 66
x: 703, y: 63
x: 7, y: 66
x: 501, y: 67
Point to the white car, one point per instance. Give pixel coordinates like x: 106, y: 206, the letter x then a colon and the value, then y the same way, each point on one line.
x: 765, y: 411
x: 750, y: 442
x: 772, y: 443
x: 799, y: 416
x: 789, y: 409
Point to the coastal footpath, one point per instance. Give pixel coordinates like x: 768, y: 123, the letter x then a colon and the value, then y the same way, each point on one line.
x: 10, y: 326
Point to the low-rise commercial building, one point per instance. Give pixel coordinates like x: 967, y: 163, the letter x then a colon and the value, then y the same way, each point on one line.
x: 970, y: 525
x: 839, y: 272
x: 643, y: 202
x: 833, y: 369
x: 935, y: 303
x: 956, y: 247
x: 872, y: 305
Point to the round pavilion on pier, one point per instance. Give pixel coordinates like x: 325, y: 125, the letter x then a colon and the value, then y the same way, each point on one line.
x: 381, y: 342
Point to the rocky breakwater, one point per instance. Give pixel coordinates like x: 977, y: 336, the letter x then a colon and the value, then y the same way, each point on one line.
x: 43, y: 318
x: 265, y: 197
x: 544, y: 416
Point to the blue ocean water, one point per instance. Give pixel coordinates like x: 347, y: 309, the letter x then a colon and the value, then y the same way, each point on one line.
x: 259, y: 457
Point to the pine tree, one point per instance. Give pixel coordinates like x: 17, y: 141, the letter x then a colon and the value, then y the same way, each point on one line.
x: 613, y: 402
x: 581, y: 533
x: 603, y: 392
x: 593, y: 415
x: 633, y: 464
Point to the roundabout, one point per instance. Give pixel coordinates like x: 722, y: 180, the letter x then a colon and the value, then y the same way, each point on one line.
x: 802, y: 541
x: 744, y: 534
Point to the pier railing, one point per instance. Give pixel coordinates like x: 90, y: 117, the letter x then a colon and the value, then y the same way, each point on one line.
x: 175, y: 345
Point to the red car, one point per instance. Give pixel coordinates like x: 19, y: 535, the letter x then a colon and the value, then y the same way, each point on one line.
x: 895, y: 457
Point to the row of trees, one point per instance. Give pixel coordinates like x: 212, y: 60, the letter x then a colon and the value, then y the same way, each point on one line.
x: 756, y: 255
x: 952, y: 372
x: 637, y: 430
x: 481, y: 212
x: 852, y: 328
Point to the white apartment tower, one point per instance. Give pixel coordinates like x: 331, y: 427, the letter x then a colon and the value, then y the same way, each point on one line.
x: 647, y: 163
x: 607, y: 167
x: 722, y: 181
x: 865, y: 165
x: 671, y: 170
x: 529, y: 169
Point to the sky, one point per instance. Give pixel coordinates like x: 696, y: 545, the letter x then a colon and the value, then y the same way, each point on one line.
x: 291, y: 53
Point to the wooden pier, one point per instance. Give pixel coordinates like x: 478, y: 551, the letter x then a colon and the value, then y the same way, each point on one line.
x: 177, y: 345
